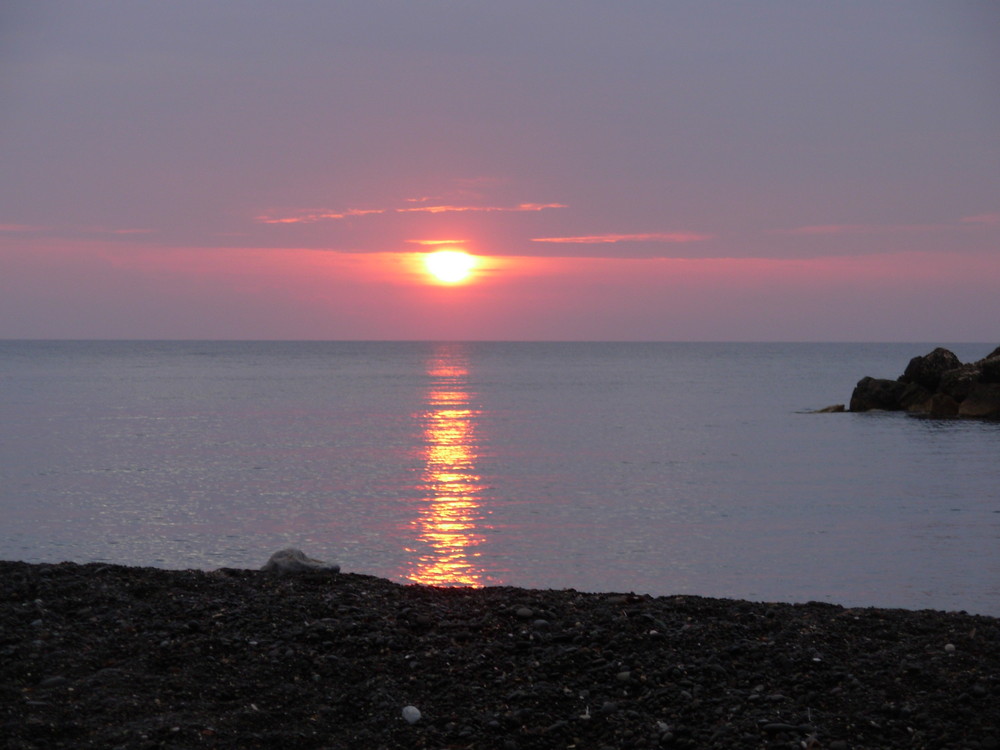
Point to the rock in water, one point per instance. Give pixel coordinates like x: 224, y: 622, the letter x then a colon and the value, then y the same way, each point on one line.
x: 927, y: 370
x: 936, y: 384
x: 889, y: 395
x: 984, y: 401
x: 293, y: 560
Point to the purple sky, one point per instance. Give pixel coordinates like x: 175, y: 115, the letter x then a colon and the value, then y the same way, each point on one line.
x: 642, y: 170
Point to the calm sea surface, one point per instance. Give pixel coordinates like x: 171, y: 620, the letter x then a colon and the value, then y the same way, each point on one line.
x: 648, y: 467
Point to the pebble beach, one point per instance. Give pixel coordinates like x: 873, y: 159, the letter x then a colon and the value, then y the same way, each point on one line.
x: 105, y: 656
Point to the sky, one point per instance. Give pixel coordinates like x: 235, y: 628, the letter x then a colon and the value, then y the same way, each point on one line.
x: 648, y: 170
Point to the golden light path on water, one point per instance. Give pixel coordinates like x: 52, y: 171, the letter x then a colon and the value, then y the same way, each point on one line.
x: 450, y: 523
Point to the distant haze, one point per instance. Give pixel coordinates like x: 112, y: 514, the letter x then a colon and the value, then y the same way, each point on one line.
x: 639, y: 171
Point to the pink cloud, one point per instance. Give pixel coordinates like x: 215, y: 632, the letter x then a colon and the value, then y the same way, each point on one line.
x: 309, y: 218
x: 449, y: 208
x: 71, y: 230
x: 982, y: 219
x: 467, y: 189
x: 123, y: 231
x: 594, y: 239
x: 856, y: 229
x: 826, y: 229
x: 19, y: 228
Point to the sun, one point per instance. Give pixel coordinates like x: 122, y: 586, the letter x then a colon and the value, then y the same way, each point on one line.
x: 450, y: 266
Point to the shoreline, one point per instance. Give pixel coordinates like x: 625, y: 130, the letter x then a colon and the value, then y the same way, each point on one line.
x: 870, y: 601
x: 100, y: 655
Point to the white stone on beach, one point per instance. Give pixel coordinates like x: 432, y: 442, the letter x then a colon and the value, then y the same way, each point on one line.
x: 411, y: 714
x: 293, y: 560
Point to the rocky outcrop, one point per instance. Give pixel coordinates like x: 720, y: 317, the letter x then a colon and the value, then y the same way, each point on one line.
x: 937, y: 384
x: 926, y: 371
x: 887, y: 395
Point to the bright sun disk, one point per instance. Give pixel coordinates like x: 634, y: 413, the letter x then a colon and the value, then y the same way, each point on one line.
x: 450, y: 266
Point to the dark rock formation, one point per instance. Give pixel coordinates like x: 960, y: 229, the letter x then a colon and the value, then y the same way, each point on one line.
x: 984, y: 401
x: 928, y: 369
x: 888, y: 395
x: 958, y: 383
x: 936, y: 384
x: 990, y: 371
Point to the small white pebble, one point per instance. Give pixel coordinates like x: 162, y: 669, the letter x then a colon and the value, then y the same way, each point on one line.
x: 950, y: 648
x: 411, y: 714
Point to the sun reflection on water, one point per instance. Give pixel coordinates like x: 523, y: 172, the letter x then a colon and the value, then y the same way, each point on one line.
x: 450, y: 523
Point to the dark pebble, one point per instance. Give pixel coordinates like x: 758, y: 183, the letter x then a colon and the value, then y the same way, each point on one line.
x: 775, y: 727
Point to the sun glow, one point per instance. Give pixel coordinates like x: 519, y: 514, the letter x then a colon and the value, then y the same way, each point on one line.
x: 450, y: 266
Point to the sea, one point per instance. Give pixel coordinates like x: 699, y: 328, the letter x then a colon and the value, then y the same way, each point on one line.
x: 654, y: 468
